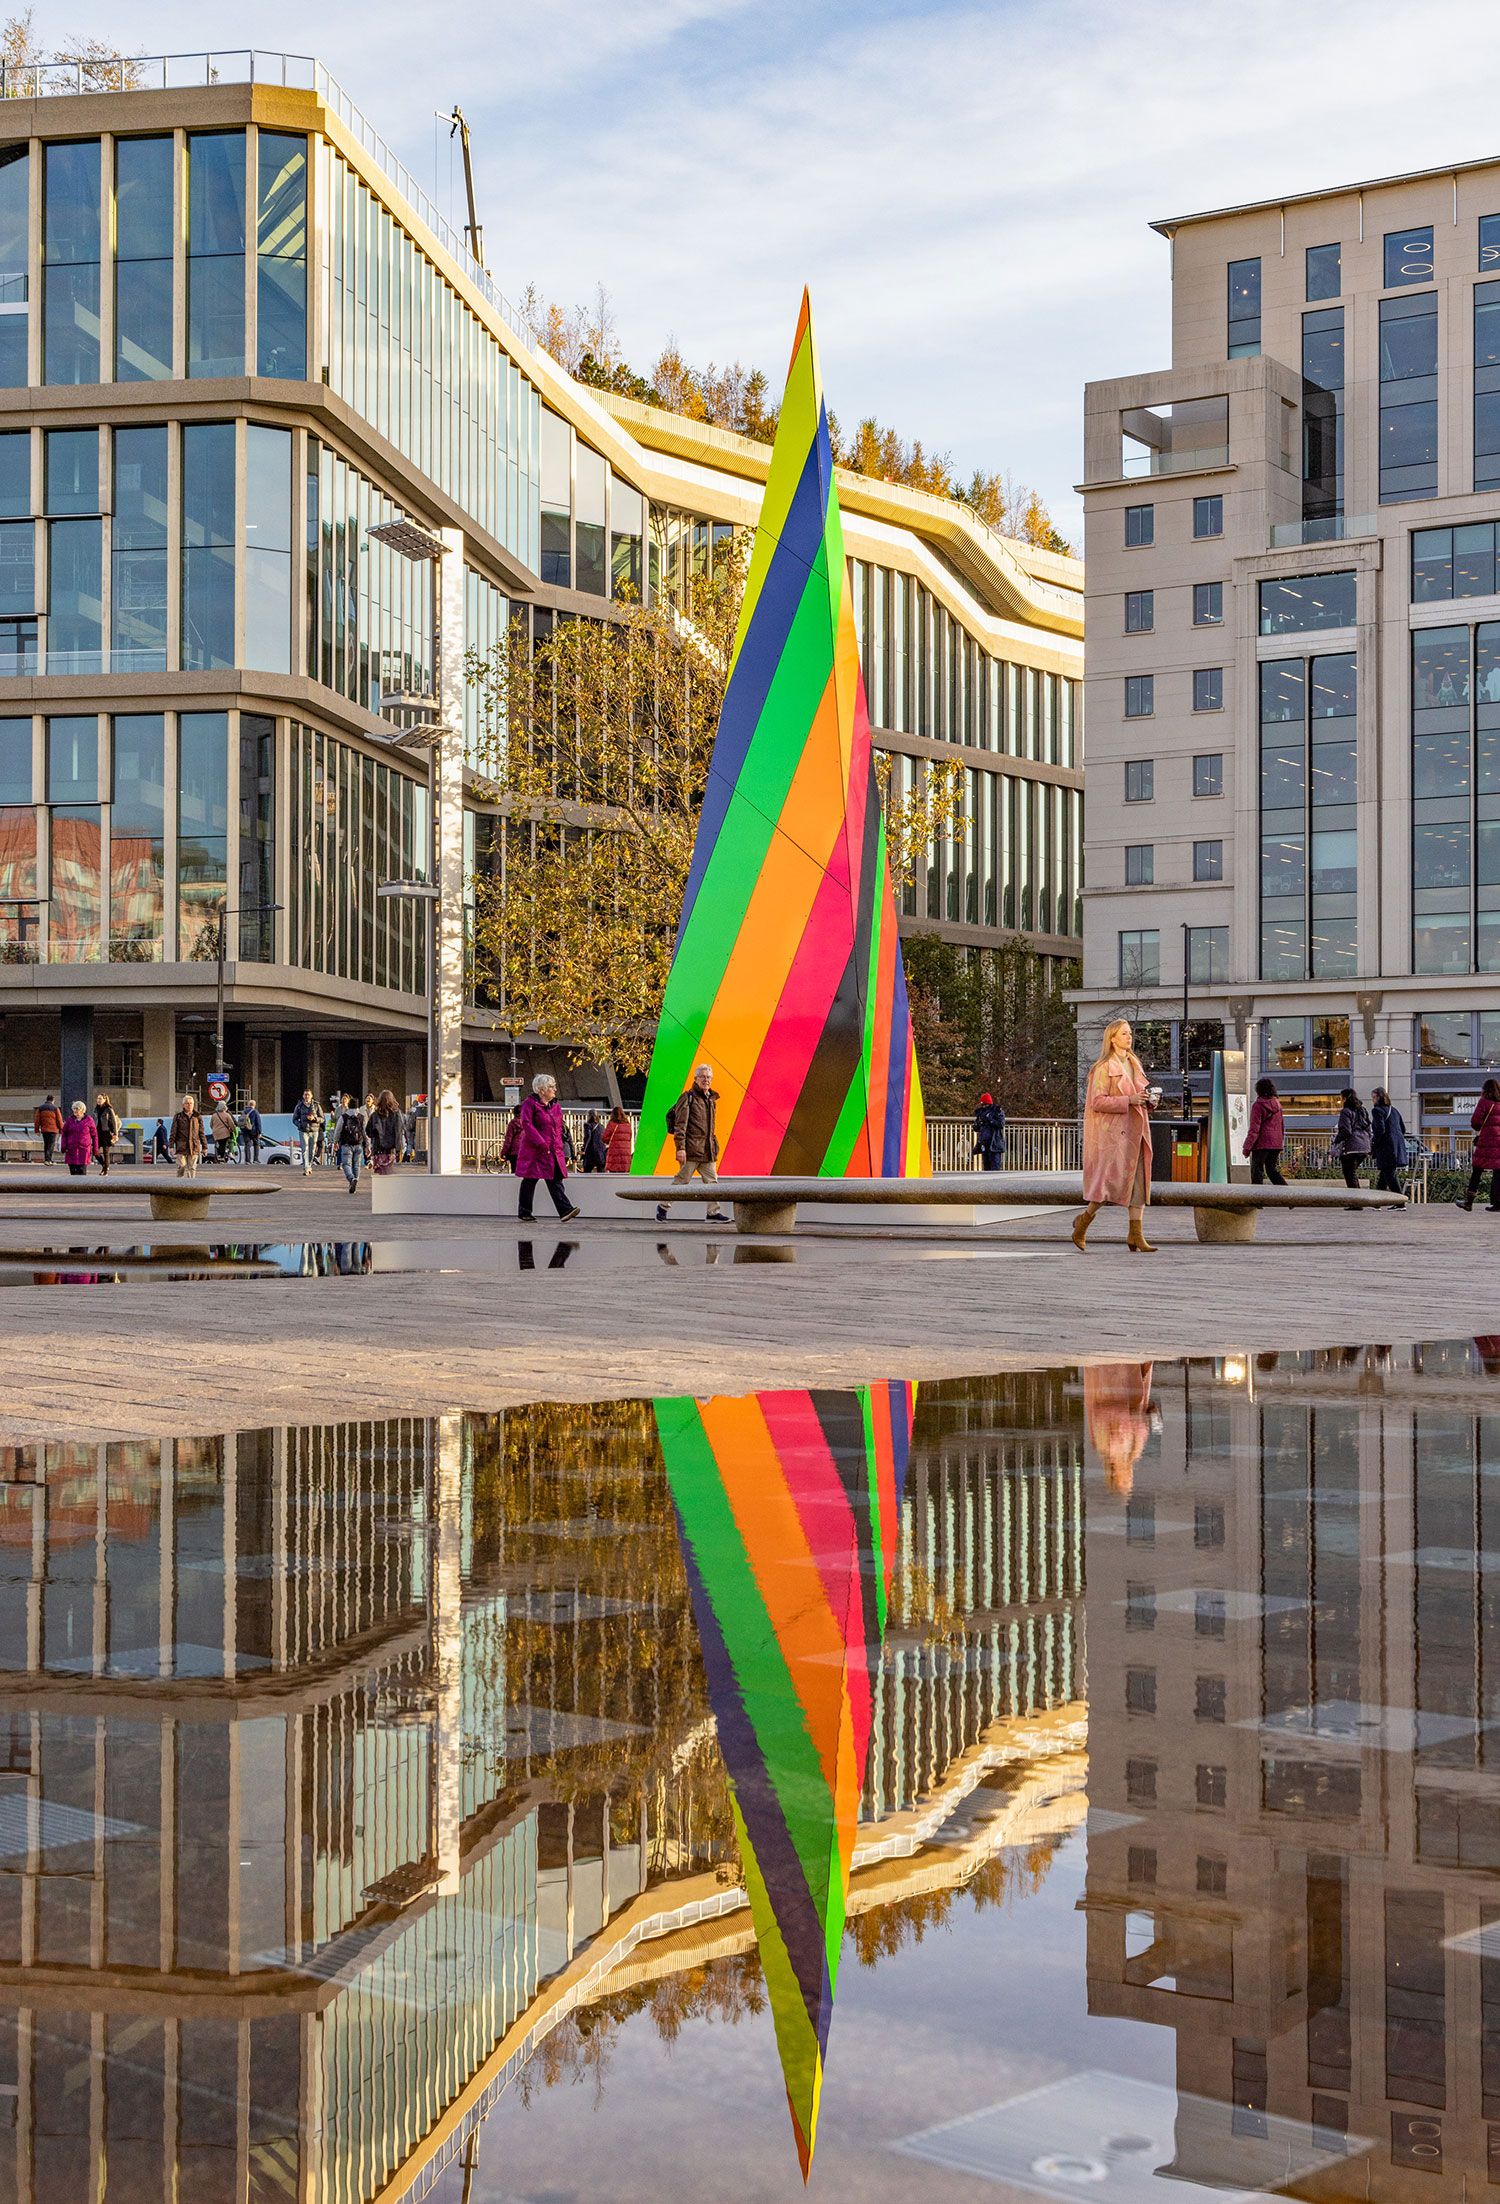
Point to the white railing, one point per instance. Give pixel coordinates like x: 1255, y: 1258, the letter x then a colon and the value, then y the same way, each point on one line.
x: 249, y: 65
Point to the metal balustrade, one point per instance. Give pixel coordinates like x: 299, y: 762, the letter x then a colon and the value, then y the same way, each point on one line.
x: 1031, y: 1143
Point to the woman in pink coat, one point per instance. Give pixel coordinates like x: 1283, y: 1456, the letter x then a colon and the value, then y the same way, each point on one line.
x: 1117, y: 1138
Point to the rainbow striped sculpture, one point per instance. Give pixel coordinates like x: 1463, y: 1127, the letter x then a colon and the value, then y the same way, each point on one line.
x: 786, y: 976
x: 788, y: 1506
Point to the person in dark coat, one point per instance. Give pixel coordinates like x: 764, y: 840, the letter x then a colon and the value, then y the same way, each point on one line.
x: 161, y: 1142
x: 107, y: 1125
x: 384, y: 1133
x: 1387, y: 1141
x: 989, y: 1133
x: 540, y: 1151
x: 594, y: 1156
x: 1265, y: 1136
x: 186, y: 1138
x: 49, y: 1122
x: 1351, y: 1138
x: 693, y: 1123
x: 1486, y: 1156
x: 251, y: 1130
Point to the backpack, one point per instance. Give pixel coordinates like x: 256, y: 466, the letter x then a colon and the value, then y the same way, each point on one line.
x: 672, y: 1119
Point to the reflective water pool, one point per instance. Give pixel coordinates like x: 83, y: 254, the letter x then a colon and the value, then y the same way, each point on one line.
x: 1049, y: 1784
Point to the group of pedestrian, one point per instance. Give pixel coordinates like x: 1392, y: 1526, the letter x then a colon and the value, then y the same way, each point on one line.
x: 1362, y: 1137
x: 85, y: 1136
x: 379, y: 1132
x: 539, y: 1147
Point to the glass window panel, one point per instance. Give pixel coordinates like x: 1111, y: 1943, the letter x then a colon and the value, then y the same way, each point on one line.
x: 1283, y: 949
x: 216, y: 193
x: 268, y: 488
x: 1334, y: 947
x: 15, y: 761
x: 588, y: 489
x: 1489, y: 243
x: 1334, y: 778
x: 1140, y: 525
x: 1283, y: 781
x: 1208, y: 516
x: 70, y: 252
x: 15, y: 179
x: 1307, y: 601
x: 17, y: 569
x: 1431, y: 564
x: 137, y: 854
x: 1323, y: 275
x: 140, y: 516
x: 1286, y: 1044
x: 75, y: 599
x: 1440, y: 669
x: 589, y: 548
x: 1487, y: 325
x: 15, y: 474
x: 203, y: 812
x: 281, y: 272
x: 1440, y: 942
x: 1440, y: 855
x: 1333, y: 687
x: 1283, y: 691
x: 1487, y: 669
x: 1323, y: 349
x: 1474, y: 560
x: 73, y: 760
x: 208, y: 545
x: 1208, y: 689
x: 1283, y: 865
x: 1208, y: 775
x: 268, y: 548
x: 1445, y: 1039
x: 71, y: 470
x: 143, y: 259
x: 1408, y: 256
x: 75, y: 835
x: 1208, y: 955
x: 1334, y: 862
x: 216, y: 254
x: 1244, y: 308
x: 1408, y: 436
x: 1489, y: 1037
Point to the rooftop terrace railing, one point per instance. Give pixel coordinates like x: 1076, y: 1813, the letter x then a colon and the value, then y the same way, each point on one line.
x: 73, y: 74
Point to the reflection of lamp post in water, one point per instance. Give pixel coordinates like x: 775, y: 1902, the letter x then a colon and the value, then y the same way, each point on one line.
x: 442, y: 736
x: 446, y: 1635
x: 422, y: 891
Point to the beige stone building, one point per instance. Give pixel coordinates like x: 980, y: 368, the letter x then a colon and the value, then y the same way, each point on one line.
x: 1294, y: 649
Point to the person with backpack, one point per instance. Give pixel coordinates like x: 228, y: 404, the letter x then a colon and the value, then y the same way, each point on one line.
x: 691, y: 1122
x: 1351, y: 1138
x: 107, y: 1124
x: 225, y: 1132
x: 989, y: 1133
x: 1387, y: 1141
x: 48, y: 1121
x: 1486, y: 1156
x: 350, y: 1139
x: 308, y: 1119
x: 593, y: 1143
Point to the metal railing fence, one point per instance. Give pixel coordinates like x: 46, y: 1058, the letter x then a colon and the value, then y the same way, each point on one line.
x: 1031, y: 1143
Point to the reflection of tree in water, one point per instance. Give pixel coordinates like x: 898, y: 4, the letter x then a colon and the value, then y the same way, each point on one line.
x: 1016, y: 1872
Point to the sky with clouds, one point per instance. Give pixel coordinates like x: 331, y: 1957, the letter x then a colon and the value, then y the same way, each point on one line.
x: 966, y: 189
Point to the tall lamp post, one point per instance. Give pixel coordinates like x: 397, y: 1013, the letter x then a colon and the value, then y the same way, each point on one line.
x: 443, y: 737
x: 423, y: 892
x: 245, y: 910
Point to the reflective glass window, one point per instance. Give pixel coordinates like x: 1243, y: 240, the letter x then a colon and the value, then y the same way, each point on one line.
x: 143, y: 259
x: 1208, y: 689
x: 1408, y: 398
x: 1208, y: 604
x: 1323, y: 273
x: 1140, y: 696
x: 202, y: 831
x: 71, y: 471
x: 268, y: 549
x: 15, y: 761
x: 1487, y: 386
x: 1286, y: 1044
x: 70, y: 256
x: 1140, y: 958
x: 1208, y: 860
x: 138, y: 594
x: 1408, y: 256
x: 1208, y: 516
x: 17, y: 571
x: 1140, y: 779
x: 75, y: 596
x: 216, y: 254
x: 15, y: 188
x: 208, y: 534
x: 1208, y: 955
x: 1140, y: 611
x: 281, y: 256
x: 1489, y: 244
x: 137, y: 850
x: 1306, y: 601
x: 1244, y: 308
x: 15, y: 474
x: 1208, y: 774
x: 1140, y: 865
x: 73, y: 760
x: 1140, y: 525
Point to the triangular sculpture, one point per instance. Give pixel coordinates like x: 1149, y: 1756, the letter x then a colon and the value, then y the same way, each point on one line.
x: 786, y: 976
x: 789, y: 1509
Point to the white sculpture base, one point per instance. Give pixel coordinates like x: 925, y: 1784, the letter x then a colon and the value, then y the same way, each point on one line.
x: 495, y: 1194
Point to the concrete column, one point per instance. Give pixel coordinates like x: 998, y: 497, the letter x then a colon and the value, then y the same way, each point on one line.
x: 448, y: 793
x: 77, y: 1054
x: 158, y: 1033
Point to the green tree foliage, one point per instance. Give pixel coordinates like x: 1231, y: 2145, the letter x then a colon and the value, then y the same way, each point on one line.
x: 992, y: 1024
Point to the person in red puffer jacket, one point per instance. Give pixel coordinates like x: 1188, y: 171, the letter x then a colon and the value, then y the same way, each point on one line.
x: 1486, y: 1156
x: 80, y: 1140
x: 1266, y: 1136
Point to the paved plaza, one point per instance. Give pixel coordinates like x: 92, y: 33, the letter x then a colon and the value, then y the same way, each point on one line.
x: 639, y: 1308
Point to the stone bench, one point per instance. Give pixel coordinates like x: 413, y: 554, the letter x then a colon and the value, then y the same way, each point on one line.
x: 1220, y: 1213
x: 173, y: 1198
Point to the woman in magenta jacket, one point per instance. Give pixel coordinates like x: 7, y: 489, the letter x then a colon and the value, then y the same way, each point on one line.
x: 80, y: 1140
x: 1266, y: 1136
x: 1486, y: 1156
x: 539, y: 1149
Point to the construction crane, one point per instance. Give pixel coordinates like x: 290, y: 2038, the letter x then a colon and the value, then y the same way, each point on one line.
x: 473, y: 234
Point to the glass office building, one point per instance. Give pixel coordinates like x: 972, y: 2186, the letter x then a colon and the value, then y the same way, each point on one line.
x: 236, y: 340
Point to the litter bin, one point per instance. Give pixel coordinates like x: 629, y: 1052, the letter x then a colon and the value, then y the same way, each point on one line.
x: 1176, y: 1146
x: 135, y: 1138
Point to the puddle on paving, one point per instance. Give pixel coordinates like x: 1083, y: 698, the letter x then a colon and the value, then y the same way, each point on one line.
x: 577, y: 1802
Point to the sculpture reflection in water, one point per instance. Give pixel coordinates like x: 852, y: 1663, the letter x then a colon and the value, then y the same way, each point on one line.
x: 788, y: 1505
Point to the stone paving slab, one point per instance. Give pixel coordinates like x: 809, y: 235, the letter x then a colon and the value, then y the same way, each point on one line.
x: 151, y: 1359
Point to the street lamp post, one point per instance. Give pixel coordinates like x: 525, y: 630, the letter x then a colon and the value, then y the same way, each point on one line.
x: 245, y: 910
x: 443, y: 549
x: 423, y: 892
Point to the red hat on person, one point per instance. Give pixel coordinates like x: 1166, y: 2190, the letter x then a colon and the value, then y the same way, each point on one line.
x: 986, y: 1098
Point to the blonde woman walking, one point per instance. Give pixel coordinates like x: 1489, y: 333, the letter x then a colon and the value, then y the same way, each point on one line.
x: 1117, y: 1138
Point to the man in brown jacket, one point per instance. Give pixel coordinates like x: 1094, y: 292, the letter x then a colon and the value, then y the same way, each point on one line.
x: 186, y: 1139
x: 696, y: 1140
x: 48, y: 1121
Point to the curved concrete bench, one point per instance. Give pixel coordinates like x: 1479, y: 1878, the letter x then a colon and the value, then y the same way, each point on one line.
x: 170, y: 1198
x: 1220, y: 1213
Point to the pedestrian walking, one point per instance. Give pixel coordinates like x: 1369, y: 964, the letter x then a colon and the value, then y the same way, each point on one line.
x: 350, y: 1140
x: 408, y: 1136
x: 308, y: 1119
x: 80, y: 1139
x: 1351, y: 1137
x: 989, y: 1133
x: 1117, y: 1138
x: 1387, y: 1141
x: 107, y: 1125
x: 384, y: 1133
x: 539, y: 1150
x: 1265, y: 1136
x: 251, y: 1131
x: 329, y: 1148
x: 594, y: 1153
x: 49, y: 1121
x: 1486, y: 1156
x: 619, y: 1146
x: 161, y: 1141
x: 225, y: 1131
x: 186, y: 1139
x: 692, y: 1123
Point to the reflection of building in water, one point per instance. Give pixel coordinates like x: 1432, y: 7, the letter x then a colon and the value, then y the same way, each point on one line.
x: 325, y: 1754
x: 1296, y: 1638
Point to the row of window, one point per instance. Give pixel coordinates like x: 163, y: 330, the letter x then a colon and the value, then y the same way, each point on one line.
x: 1208, y: 692
x: 1140, y: 863
x: 1407, y: 259
x: 1208, y: 608
x: 1140, y: 777
x: 1140, y: 957
x: 1140, y: 522
x: 1455, y: 725
x: 1014, y: 858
